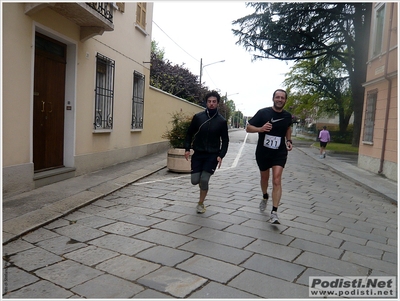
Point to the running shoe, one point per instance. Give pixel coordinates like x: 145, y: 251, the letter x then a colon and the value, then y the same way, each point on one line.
x: 200, y: 208
x: 274, y: 218
x: 263, y: 203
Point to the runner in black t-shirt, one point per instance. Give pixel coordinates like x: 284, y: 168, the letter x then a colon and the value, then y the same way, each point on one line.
x: 273, y: 125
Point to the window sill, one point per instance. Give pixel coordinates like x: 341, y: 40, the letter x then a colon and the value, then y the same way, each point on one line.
x: 104, y: 131
x: 368, y: 143
x: 140, y: 28
x: 136, y: 130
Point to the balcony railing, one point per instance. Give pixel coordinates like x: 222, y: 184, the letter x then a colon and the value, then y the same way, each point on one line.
x: 103, y: 8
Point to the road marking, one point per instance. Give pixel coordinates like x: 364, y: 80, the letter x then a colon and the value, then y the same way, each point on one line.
x: 235, y: 163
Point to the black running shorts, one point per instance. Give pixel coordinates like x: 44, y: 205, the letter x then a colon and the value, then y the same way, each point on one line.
x: 204, y: 161
x: 265, y: 160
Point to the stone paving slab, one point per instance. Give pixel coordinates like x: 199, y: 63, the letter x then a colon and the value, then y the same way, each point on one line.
x: 127, y: 267
x: 215, y: 290
x: 210, y: 268
x: 164, y: 255
x: 40, y: 290
x: 107, y: 286
x: 268, y: 287
x: 16, y: 278
x: 172, y: 281
x: 217, y: 251
x: 274, y: 267
x: 68, y: 273
x: 164, y: 238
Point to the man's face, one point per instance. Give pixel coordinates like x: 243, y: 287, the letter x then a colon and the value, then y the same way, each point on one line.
x: 279, y: 100
x: 212, y: 102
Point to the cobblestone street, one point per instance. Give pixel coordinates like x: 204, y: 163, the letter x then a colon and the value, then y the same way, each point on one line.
x: 147, y: 241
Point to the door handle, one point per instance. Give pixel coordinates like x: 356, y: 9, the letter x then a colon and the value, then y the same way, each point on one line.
x: 43, y: 106
x: 51, y: 107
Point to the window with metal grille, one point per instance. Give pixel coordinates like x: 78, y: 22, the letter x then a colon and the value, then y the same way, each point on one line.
x: 141, y: 14
x: 137, y: 101
x: 104, y: 93
x: 378, y: 34
x: 370, y: 116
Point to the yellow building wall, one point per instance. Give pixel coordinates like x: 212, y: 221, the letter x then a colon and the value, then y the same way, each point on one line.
x: 17, y: 85
x: 85, y: 149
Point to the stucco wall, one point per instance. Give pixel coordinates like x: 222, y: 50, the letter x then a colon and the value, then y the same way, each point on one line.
x: 159, y: 106
x: 380, y: 155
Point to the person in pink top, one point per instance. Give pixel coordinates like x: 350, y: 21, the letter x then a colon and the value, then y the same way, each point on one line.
x: 324, y: 138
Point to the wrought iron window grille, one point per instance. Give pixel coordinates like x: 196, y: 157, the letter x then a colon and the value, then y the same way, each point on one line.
x: 104, y: 92
x: 137, y: 100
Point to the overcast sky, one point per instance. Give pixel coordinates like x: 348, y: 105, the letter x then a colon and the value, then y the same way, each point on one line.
x: 189, y: 31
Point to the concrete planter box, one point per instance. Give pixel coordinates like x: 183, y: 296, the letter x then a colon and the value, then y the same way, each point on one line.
x: 176, y: 161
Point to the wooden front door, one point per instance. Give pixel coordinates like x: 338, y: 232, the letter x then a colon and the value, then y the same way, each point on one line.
x: 48, y: 104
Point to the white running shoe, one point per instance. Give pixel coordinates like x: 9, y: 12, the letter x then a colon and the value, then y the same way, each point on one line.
x: 274, y: 218
x: 263, y: 203
x: 200, y: 208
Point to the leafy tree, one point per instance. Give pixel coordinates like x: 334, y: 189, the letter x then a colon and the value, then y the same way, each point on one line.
x: 176, y: 80
x: 225, y: 107
x: 159, y: 53
x: 179, y: 81
x: 297, y: 31
x: 325, y: 79
x: 237, y: 120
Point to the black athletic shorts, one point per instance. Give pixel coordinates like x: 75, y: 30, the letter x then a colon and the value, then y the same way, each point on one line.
x: 204, y: 161
x: 265, y: 160
x: 323, y: 144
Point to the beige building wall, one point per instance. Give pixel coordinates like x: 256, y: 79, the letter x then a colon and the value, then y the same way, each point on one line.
x: 85, y: 149
x: 380, y: 156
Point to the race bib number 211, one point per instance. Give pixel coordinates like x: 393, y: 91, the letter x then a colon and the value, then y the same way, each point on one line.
x: 272, y: 142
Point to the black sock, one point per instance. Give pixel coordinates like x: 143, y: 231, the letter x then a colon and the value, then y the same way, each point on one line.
x: 274, y: 209
x: 265, y: 196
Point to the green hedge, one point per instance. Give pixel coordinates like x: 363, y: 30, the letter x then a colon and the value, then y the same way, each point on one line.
x: 339, y: 137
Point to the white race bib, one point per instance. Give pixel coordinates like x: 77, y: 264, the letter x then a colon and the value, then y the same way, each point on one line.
x: 272, y: 141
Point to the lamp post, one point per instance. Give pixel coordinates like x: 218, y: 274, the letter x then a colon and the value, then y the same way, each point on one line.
x: 237, y: 115
x: 202, y: 67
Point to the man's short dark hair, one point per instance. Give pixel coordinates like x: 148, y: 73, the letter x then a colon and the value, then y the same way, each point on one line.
x: 212, y: 93
x: 279, y: 90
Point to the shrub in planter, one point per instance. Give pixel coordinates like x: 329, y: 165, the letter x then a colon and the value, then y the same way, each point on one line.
x: 176, y: 135
x: 176, y: 160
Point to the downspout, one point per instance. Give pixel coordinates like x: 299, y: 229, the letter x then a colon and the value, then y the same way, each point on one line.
x: 389, y: 93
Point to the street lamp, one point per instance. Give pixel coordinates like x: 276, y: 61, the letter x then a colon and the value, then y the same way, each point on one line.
x: 202, y: 67
x: 226, y: 95
x: 238, y: 115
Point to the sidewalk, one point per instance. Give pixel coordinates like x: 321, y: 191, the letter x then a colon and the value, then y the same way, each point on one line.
x: 30, y: 210
x: 368, y: 180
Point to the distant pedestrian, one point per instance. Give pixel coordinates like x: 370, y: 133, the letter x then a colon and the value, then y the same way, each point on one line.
x: 324, y: 138
x: 208, y: 137
x: 273, y: 125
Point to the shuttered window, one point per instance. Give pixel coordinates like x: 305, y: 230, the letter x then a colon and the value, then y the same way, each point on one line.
x: 141, y: 14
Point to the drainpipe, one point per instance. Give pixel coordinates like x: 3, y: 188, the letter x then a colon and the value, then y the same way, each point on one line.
x: 389, y: 93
